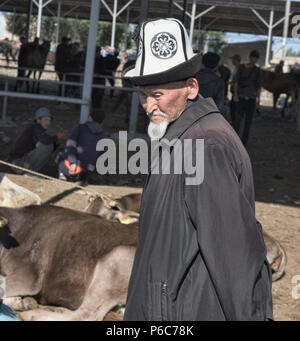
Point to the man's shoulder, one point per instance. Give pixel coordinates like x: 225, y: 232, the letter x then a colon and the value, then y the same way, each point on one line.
x: 29, y: 128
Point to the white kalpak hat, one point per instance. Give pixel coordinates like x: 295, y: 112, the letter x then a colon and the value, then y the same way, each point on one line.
x: 165, y: 54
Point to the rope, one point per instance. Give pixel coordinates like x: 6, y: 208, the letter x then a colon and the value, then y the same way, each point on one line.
x: 108, y: 202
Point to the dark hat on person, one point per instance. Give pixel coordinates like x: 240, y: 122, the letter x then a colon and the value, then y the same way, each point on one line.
x: 236, y: 57
x: 164, y: 55
x: 210, y: 60
x: 97, y: 116
x: 254, y: 53
x: 42, y: 112
x: 65, y: 39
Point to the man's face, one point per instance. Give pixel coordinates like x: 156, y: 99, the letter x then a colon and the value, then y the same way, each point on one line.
x: 235, y: 62
x: 45, y: 122
x: 253, y: 60
x: 165, y: 103
x: 169, y: 99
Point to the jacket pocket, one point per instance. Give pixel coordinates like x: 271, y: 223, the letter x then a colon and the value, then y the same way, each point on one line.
x: 158, y: 301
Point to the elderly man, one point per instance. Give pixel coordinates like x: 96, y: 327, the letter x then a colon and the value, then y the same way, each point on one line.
x: 201, y: 254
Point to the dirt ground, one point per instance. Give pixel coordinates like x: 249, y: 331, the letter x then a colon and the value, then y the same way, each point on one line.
x: 274, y: 149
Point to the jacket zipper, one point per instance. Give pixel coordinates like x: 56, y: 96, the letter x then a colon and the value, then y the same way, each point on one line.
x: 164, y: 306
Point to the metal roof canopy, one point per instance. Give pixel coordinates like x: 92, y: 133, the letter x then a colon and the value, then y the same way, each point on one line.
x: 228, y: 16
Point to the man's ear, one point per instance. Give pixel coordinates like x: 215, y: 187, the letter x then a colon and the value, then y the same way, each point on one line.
x: 193, y: 88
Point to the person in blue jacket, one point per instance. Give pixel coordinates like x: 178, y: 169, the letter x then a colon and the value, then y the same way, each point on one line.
x: 6, y: 314
x: 79, y: 157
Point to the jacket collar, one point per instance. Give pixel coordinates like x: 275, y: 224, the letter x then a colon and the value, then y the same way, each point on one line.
x: 192, y: 113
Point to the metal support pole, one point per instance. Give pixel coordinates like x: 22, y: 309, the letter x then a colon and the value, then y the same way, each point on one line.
x: 29, y: 11
x: 58, y: 22
x: 144, y: 10
x: 184, y: 11
x: 63, y: 86
x: 4, y: 108
x: 90, y: 60
x: 269, y: 45
x: 199, y: 38
x: 114, y: 19
x: 14, y: 23
x: 134, y: 111
x: 75, y: 27
x: 170, y: 8
x: 286, y: 27
x: 127, y: 27
x: 194, y: 5
x: 39, y: 20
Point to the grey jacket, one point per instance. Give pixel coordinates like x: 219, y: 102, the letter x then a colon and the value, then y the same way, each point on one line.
x: 201, y: 254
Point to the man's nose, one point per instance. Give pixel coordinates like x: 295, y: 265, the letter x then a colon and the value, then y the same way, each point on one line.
x: 151, y: 105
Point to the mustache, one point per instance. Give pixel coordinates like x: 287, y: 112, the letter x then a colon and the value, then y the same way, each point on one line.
x: 157, y: 113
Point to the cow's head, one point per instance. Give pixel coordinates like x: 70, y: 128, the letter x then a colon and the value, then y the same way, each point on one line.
x: 111, y: 211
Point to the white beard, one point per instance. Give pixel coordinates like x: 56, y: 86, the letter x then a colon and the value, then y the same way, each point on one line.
x: 157, y: 131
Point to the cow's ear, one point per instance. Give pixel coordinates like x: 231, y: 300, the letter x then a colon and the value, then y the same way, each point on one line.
x: 3, y: 222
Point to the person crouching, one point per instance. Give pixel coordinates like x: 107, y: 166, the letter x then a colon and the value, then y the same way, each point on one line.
x: 79, y: 157
x: 33, y: 148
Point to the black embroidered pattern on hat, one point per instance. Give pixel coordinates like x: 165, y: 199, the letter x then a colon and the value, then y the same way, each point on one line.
x: 140, y: 47
x: 163, y: 45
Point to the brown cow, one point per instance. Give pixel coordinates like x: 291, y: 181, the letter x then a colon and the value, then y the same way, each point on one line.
x: 65, y: 258
x: 276, y: 254
x: 285, y: 83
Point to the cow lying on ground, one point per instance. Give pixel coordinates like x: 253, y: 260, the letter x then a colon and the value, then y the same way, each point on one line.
x: 275, y: 252
x: 77, y: 261
x: 74, y: 260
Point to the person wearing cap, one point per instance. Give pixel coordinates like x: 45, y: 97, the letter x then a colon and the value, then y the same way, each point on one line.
x: 246, y: 94
x: 201, y: 253
x: 210, y: 84
x: 63, y: 60
x: 33, y: 148
x: 79, y: 157
x: 236, y: 62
